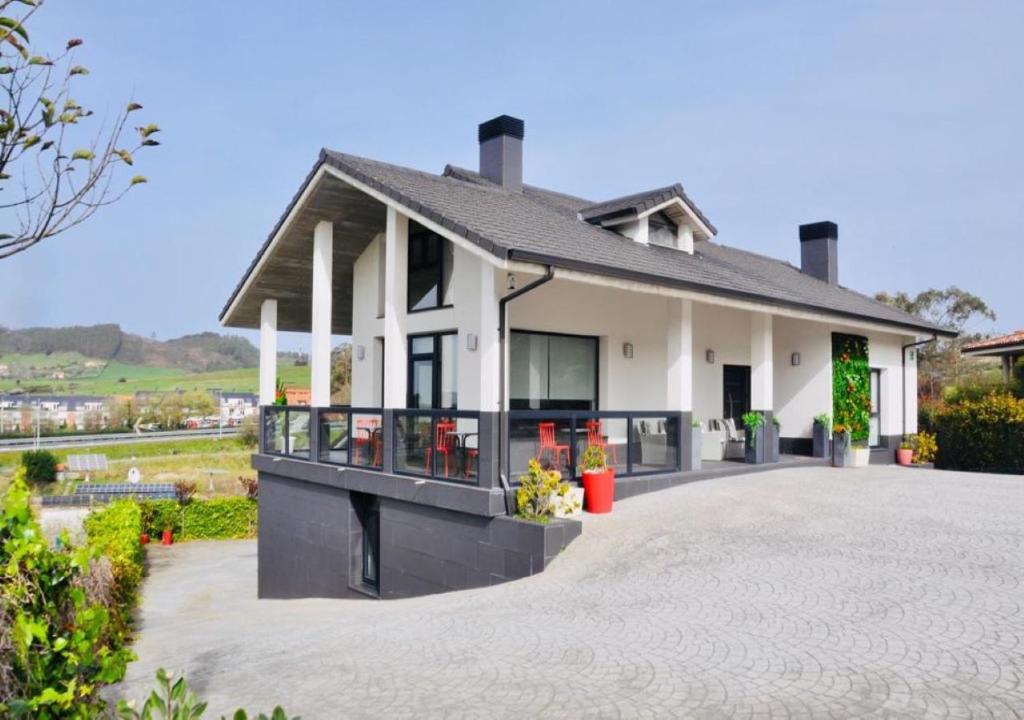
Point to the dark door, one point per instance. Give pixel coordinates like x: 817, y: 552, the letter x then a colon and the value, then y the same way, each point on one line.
x: 735, y: 391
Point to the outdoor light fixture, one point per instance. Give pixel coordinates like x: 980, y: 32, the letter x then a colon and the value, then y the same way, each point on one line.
x: 511, y: 281
x: 470, y: 341
x: 360, y: 352
x: 709, y: 355
x: 627, y: 350
x: 794, y: 359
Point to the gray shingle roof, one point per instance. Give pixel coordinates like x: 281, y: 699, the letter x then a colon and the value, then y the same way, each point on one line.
x: 542, y: 226
x: 641, y: 202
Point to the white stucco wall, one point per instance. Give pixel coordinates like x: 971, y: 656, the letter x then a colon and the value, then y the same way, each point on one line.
x: 805, y: 390
x: 726, y: 331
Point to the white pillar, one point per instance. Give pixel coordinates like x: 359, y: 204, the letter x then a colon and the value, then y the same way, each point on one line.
x: 396, y: 238
x: 268, y: 351
x: 679, y: 360
x: 684, y: 238
x: 320, y: 341
x: 761, y: 373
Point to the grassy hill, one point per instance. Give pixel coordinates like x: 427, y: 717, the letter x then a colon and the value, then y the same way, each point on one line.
x: 118, y: 378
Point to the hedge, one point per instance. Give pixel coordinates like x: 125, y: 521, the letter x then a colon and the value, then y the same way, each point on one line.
x: 114, y: 531
x: 216, y: 519
x: 985, y: 435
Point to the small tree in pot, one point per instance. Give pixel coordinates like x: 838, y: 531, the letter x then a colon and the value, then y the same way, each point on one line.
x: 820, y: 434
x: 755, y: 451
x: 905, y: 452
x: 598, y: 480
x: 840, y: 445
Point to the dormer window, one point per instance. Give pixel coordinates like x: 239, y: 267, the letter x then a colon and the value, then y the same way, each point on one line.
x: 661, y: 230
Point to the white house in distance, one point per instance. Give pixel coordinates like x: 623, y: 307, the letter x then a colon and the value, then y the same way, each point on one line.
x: 493, y: 321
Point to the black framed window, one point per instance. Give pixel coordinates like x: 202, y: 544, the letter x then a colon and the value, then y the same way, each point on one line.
x: 431, y: 259
x: 433, y: 372
x: 661, y: 230
x: 551, y: 371
x: 874, y: 426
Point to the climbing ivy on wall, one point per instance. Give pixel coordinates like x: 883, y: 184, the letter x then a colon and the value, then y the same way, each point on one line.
x: 851, y: 385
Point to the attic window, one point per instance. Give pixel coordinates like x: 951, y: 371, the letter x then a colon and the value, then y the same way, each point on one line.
x: 661, y: 230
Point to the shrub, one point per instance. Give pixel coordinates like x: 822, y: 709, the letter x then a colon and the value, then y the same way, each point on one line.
x: 114, y: 531
x: 251, y: 486
x: 185, y: 490
x: 40, y: 466
x: 249, y: 431
x: 57, y: 646
x: 594, y: 459
x: 985, y: 435
x: 216, y: 519
x: 174, y: 701
x: 924, y: 446
x: 533, y: 498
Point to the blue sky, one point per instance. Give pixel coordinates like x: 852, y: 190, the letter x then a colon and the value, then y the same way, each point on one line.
x: 900, y: 121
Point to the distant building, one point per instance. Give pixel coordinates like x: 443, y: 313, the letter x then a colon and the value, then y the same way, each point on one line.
x: 19, y: 413
x: 297, y: 396
x: 236, y: 406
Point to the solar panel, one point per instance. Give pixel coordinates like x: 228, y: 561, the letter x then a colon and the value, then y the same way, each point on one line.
x: 125, y: 489
x: 87, y: 463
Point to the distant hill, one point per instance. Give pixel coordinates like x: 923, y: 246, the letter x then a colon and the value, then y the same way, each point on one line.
x: 197, y: 353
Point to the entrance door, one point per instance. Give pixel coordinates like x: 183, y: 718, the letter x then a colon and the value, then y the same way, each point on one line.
x: 735, y: 392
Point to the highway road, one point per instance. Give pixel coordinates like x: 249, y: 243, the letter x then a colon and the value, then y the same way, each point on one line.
x: 71, y: 441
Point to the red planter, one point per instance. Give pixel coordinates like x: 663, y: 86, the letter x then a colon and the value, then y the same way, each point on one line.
x: 167, y: 540
x: 599, y: 491
x: 905, y: 456
x: 144, y: 539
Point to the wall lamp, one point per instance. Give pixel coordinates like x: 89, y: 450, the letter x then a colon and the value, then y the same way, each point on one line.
x: 627, y: 350
x: 709, y: 355
x: 511, y: 281
x: 470, y: 341
x: 794, y: 359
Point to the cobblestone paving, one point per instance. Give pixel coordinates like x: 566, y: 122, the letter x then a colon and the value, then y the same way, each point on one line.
x: 804, y: 593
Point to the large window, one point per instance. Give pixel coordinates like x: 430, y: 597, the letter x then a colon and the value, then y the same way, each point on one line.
x: 874, y: 434
x: 552, y: 372
x: 433, y: 372
x: 431, y: 259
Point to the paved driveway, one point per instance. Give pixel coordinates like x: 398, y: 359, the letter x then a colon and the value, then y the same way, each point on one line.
x: 811, y: 592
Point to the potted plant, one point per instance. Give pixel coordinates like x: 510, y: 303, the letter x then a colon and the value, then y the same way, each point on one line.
x: 598, y: 480
x: 144, y: 538
x: 860, y: 454
x: 566, y: 500
x: 905, y: 452
x: 840, y: 445
x: 754, y: 437
x: 167, y: 538
x: 820, y: 435
x: 542, y: 494
x: 773, y: 446
x: 697, y: 435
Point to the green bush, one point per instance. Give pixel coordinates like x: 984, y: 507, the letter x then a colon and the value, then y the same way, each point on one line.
x: 114, y: 531
x: 177, y: 702
x: 985, y: 435
x: 216, y: 519
x: 57, y: 645
x: 40, y: 466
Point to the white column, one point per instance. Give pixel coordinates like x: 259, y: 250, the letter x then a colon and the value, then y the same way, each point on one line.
x: 268, y: 351
x: 396, y: 238
x: 320, y: 340
x: 679, y: 360
x: 684, y: 238
x: 761, y: 372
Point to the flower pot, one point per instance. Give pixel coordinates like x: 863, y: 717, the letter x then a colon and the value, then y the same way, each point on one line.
x: 860, y: 457
x: 695, y: 448
x: 167, y: 539
x: 819, y: 441
x: 599, y: 490
x: 840, y: 450
x: 774, y: 431
x: 905, y: 456
x: 144, y: 539
x: 754, y: 451
x: 568, y: 505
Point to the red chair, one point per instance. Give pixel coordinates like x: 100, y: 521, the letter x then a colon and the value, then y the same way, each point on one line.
x: 444, y: 444
x: 367, y: 426
x: 471, y: 454
x: 546, y: 430
x: 596, y: 436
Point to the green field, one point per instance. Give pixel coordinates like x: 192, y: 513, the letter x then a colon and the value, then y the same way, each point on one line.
x: 121, y: 379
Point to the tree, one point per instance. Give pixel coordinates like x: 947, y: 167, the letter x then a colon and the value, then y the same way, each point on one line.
x: 54, y: 174
x: 941, y: 363
x: 341, y: 375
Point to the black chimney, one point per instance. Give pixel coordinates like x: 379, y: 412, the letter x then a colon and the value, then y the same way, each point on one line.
x: 501, y: 151
x: 819, y: 251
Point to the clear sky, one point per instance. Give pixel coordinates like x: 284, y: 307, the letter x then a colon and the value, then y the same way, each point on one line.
x: 900, y: 121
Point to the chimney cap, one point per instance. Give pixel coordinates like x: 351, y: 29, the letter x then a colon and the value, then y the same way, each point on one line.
x: 501, y: 125
x: 819, y: 231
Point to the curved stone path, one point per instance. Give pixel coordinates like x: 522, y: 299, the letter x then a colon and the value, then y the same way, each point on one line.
x: 803, y: 593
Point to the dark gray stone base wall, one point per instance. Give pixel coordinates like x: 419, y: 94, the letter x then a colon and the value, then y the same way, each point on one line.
x: 303, y: 545
x: 310, y: 544
x: 429, y: 550
x: 796, y: 446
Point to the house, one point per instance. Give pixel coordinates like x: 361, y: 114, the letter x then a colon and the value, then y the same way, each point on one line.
x: 493, y: 321
x: 236, y: 406
x: 1008, y: 348
x: 21, y: 412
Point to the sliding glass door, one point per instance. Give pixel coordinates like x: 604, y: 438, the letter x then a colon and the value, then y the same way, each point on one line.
x: 550, y: 371
x: 433, y: 372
